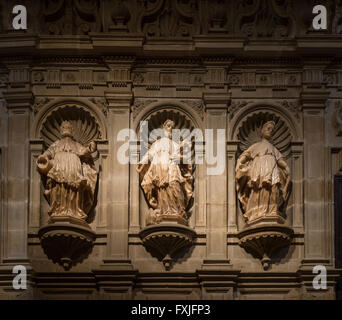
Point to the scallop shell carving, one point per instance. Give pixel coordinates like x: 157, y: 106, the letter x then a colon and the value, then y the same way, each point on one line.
x: 85, y: 127
x: 250, y: 132
x: 181, y: 121
x: 156, y: 120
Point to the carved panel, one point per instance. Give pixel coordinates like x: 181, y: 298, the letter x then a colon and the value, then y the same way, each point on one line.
x: 180, y: 18
x: 263, y: 18
x: 70, y: 17
x: 168, y: 18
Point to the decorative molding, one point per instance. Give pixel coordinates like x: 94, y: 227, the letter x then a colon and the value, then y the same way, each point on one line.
x: 70, y: 17
x: 266, y: 18
x: 169, y: 18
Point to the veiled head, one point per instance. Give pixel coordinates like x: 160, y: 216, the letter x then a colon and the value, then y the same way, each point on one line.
x: 168, y: 126
x: 267, y: 129
x: 66, y: 129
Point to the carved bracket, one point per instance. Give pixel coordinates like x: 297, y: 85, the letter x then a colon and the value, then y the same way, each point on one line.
x: 66, y: 242
x: 264, y: 240
x: 165, y: 240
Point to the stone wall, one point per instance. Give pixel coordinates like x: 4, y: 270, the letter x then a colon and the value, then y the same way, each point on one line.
x: 228, y: 65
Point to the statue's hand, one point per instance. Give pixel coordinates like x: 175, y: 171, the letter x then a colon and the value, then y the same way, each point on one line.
x: 42, y: 160
x: 43, y: 164
x: 153, y: 202
x: 243, y: 167
x: 243, y: 160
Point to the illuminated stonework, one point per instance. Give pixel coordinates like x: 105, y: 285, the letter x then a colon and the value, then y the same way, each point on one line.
x: 105, y: 66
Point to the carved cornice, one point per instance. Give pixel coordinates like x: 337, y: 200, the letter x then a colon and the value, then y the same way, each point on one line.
x: 169, y: 61
x: 73, y: 60
x: 287, y: 61
x: 18, y: 99
x: 126, y: 59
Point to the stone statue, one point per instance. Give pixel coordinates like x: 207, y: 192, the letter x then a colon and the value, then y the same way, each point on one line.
x: 68, y: 175
x: 262, y: 178
x: 166, y: 181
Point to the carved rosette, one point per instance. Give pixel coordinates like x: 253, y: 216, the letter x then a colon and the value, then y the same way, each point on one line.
x: 264, y: 240
x: 165, y: 240
x: 67, y: 241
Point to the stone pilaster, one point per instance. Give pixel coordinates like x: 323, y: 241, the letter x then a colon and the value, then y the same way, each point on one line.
x: 317, y: 241
x: 216, y: 256
x: 119, y: 98
x: 15, y: 216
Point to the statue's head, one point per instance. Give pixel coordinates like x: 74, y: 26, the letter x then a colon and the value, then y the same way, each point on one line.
x: 267, y: 129
x: 168, y: 126
x: 66, y: 129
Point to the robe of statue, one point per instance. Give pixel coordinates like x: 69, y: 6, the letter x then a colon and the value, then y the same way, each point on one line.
x: 69, y: 178
x: 262, y: 180
x: 167, y: 183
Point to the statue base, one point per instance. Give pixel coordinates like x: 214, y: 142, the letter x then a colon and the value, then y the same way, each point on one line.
x: 154, y: 218
x: 266, y: 220
x: 66, y: 240
x: 166, y: 239
x: 263, y: 238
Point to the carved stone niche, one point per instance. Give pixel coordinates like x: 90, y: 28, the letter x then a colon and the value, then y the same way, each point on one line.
x: 69, y: 178
x: 167, y: 185
x: 263, y: 185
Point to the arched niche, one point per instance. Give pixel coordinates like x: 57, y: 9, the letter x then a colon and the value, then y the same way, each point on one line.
x: 245, y: 130
x: 80, y: 112
x: 184, y: 117
x: 249, y: 131
x: 185, y: 110
x: 88, y: 123
x: 273, y: 110
x: 85, y: 126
